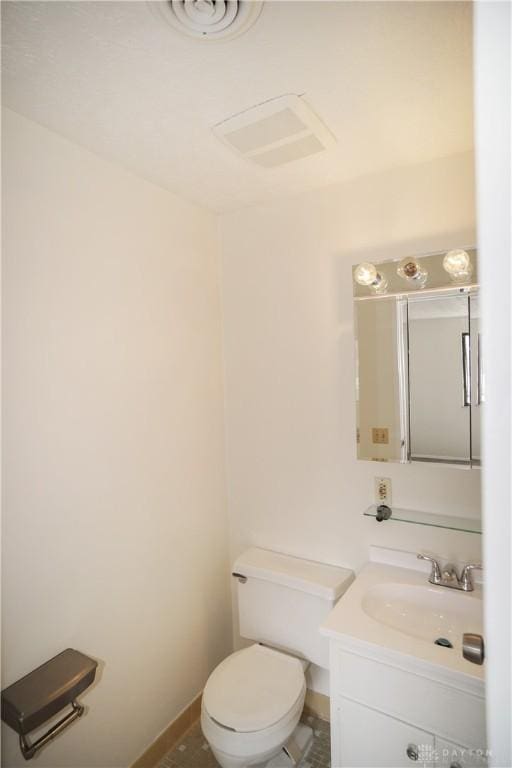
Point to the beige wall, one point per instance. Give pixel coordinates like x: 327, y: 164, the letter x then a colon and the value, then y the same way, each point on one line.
x: 114, y: 525
x: 294, y: 482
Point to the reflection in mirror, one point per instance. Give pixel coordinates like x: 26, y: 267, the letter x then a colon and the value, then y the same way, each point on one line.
x: 439, y: 381
x: 381, y: 386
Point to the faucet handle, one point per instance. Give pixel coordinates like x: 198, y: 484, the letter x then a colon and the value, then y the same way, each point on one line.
x: 435, y: 574
x: 466, y: 579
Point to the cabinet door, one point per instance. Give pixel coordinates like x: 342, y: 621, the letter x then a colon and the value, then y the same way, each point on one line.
x: 369, y: 739
x: 439, y: 379
x: 450, y: 755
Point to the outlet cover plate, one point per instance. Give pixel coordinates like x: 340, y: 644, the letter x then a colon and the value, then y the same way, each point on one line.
x: 383, y: 490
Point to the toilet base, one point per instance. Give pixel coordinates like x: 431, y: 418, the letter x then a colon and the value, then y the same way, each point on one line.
x: 301, y: 738
x: 297, y: 748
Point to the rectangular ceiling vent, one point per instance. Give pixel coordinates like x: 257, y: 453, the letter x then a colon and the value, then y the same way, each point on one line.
x: 276, y: 132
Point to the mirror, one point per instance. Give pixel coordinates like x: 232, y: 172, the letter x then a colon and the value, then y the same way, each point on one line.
x: 381, y: 383
x: 419, y: 377
x: 438, y: 379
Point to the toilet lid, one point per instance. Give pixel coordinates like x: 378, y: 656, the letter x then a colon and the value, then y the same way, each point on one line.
x: 254, y: 688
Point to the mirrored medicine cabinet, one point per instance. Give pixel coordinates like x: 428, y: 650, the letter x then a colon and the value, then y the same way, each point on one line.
x: 420, y: 384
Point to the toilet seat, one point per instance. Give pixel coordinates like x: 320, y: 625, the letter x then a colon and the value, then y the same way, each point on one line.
x: 254, y: 689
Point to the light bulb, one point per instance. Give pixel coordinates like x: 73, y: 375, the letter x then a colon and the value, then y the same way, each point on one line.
x: 412, y: 271
x: 458, y: 265
x: 365, y: 273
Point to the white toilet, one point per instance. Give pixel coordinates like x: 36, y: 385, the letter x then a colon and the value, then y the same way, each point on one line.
x: 253, y: 700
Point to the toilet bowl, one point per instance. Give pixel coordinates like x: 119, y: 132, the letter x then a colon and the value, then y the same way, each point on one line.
x: 252, y: 704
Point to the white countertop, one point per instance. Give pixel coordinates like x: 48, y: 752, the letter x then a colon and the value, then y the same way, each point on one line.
x: 358, y: 632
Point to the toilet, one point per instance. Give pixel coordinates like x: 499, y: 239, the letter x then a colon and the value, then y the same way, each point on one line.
x: 253, y: 700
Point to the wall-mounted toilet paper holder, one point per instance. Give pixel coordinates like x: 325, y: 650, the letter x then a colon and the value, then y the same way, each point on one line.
x: 40, y: 695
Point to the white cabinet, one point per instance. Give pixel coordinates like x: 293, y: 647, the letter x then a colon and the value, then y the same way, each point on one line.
x: 386, y: 714
x: 368, y: 739
x: 450, y: 755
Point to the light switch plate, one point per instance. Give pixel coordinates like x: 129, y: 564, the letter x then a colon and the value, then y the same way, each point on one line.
x: 380, y: 435
x: 383, y: 490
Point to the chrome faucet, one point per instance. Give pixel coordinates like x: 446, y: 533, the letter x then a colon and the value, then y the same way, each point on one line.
x: 448, y: 576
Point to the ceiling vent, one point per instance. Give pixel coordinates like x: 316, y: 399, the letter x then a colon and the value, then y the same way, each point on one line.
x: 276, y: 132
x: 210, y: 19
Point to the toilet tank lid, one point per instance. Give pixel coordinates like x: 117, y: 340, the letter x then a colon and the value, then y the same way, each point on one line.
x: 326, y: 581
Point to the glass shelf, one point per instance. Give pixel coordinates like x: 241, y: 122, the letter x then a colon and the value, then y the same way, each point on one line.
x: 452, y: 523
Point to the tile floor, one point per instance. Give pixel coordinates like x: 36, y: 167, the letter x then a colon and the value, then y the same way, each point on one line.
x: 192, y: 751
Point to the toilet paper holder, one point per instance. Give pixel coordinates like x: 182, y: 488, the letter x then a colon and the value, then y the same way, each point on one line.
x: 28, y: 703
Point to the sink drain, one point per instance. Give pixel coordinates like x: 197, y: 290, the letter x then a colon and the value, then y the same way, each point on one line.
x: 444, y: 642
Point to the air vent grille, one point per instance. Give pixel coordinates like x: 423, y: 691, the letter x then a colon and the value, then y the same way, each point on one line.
x: 210, y: 19
x: 281, y: 125
x: 276, y: 132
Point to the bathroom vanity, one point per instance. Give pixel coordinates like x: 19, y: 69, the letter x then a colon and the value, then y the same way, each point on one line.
x: 397, y: 698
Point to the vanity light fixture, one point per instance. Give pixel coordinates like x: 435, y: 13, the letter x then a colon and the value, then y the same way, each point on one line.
x: 412, y: 271
x: 458, y: 265
x: 366, y: 274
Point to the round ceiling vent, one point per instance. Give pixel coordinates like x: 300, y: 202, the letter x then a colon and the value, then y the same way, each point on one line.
x: 211, y: 19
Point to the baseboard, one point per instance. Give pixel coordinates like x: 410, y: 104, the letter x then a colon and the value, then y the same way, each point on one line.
x: 169, y: 736
x: 318, y: 704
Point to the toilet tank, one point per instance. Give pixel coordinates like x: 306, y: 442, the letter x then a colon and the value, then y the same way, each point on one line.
x: 282, y: 601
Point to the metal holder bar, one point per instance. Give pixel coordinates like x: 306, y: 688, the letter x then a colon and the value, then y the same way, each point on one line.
x: 29, y: 750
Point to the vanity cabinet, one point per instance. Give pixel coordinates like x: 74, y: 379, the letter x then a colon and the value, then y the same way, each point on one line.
x: 384, y: 715
x: 369, y: 738
x: 450, y: 755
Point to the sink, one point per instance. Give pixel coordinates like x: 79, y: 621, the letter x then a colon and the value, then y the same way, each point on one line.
x: 425, y: 612
x: 395, y: 610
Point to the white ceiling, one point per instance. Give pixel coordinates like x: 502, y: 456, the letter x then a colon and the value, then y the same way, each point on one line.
x: 392, y: 80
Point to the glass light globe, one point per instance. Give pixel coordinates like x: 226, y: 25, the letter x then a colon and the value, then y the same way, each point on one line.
x: 458, y: 264
x: 365, y: 273
x: 411, y: 270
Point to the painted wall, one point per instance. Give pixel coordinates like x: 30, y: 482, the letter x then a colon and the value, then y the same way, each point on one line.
x: 493, y: 80
x: 114, y: 526
x: 294, y: 482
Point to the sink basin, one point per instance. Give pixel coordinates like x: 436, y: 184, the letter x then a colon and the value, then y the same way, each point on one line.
x: 394, y: 609
x: 425, y: 612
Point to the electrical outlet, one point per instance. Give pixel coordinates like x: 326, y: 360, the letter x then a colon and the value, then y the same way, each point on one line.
x: 380, y: 435
x: 383, y: 490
